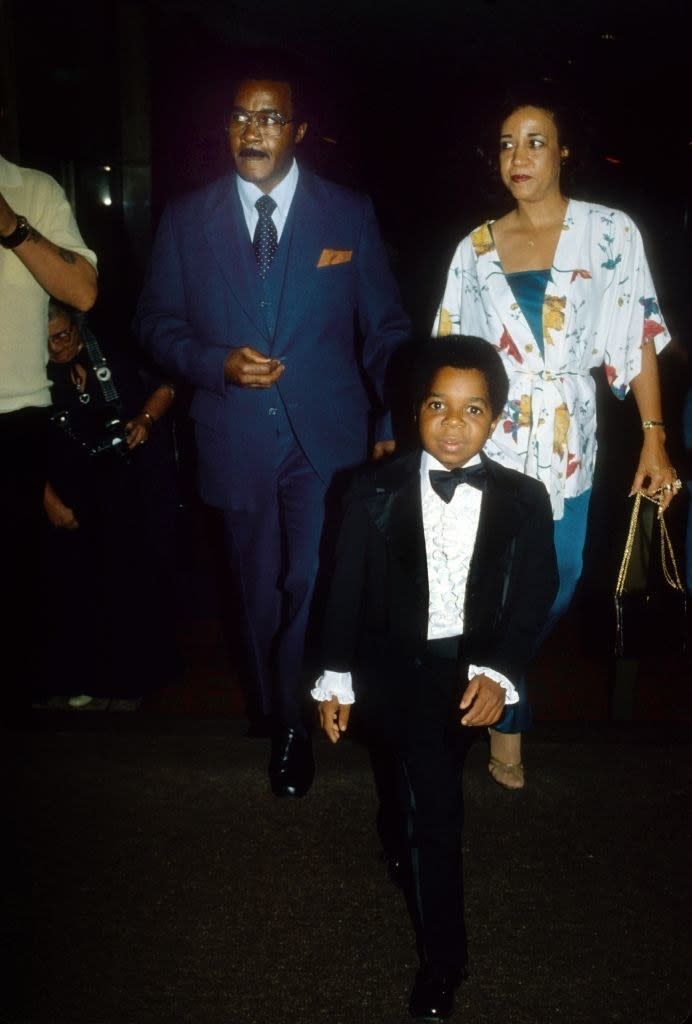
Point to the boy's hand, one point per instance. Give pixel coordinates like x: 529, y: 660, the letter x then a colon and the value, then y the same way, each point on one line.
x: 334, y: 718
x: 486, y: 700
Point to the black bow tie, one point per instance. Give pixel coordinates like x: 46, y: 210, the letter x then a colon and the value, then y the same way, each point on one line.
x: 445, y: 483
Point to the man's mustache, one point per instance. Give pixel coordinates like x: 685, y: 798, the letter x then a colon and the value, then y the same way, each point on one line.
x: 253, y: 154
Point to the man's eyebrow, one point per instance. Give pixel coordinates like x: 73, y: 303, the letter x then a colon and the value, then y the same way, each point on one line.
x: 259, y: 110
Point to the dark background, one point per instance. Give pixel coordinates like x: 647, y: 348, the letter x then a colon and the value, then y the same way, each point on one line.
x: 153, y: 880
x: 405, y: 98
x: 405, y: 94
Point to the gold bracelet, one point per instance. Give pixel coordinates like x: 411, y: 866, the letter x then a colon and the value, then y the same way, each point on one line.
x: 151, y: 419
x: 648, y: 424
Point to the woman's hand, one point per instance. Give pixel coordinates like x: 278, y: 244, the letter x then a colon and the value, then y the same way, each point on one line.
x: 59, y: 515
x: 138, y: 430
x: 655, y: 474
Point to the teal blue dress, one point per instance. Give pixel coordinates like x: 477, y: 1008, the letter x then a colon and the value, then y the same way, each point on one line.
x: 528, y: 288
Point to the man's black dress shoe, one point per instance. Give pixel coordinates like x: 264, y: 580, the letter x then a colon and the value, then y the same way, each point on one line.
x: 432, y: 998
x: 291, y: 765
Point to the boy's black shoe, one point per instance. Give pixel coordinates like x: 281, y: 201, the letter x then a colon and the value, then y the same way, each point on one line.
x: 432, y: 998
x: 291, y: 765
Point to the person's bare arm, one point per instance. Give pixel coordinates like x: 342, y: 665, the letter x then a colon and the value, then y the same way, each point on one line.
x: 63, y: 273
x: 157, y: 405
x: 654, y: 471
x: 59, y: 514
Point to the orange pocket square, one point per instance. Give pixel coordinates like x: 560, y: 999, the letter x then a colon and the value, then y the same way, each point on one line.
x: 330, y: 257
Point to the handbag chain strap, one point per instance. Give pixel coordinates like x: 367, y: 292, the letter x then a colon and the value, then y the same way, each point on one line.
x: 668, y: 563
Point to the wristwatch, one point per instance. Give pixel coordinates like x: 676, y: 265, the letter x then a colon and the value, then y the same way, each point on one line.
x: 19, y: 235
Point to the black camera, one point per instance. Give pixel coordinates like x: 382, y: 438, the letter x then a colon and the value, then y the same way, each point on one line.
x: 95, y: 438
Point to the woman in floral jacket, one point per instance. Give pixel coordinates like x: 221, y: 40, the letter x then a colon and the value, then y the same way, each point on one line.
x: 560, y: 286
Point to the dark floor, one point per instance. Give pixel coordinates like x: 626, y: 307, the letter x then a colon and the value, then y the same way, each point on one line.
x: 155, y: 878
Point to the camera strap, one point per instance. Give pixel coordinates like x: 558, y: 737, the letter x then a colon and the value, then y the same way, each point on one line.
x: 101, y: 369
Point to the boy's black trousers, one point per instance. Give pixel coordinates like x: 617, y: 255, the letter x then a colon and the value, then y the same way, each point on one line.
x: 421, y: 814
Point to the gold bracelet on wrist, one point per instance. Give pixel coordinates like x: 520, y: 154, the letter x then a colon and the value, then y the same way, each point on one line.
x: 151, y: 419
x: 648, y: 424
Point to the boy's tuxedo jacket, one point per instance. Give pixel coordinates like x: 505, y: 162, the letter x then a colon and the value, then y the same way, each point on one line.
x: 376, y: 617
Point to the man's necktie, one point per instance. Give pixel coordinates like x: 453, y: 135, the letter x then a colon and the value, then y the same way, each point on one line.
x: 265, y: 241
x: 445, y: 483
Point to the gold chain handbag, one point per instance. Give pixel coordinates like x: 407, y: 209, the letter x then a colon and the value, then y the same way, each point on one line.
x: 650, y: 600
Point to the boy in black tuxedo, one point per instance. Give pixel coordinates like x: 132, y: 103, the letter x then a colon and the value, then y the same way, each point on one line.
x: 444, y: 573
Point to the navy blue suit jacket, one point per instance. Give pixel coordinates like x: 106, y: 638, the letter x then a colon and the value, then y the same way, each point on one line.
x: 337, y: 317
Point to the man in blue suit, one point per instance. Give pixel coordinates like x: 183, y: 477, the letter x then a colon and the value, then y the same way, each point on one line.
x: 270, y: 292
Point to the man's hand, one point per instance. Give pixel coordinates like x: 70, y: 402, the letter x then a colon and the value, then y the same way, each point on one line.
x: 486, y: 700
x: 334, y: 718
x: 250, y: 369
x: 382, y: 448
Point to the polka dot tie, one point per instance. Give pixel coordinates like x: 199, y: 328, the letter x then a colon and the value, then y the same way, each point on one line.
x: 265, y: 241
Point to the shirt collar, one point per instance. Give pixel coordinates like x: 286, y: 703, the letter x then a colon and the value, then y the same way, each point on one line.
x: 429, y: 462
x: 282, y: 194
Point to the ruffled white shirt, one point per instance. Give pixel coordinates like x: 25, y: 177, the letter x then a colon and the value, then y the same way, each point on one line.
x: 450, y: 536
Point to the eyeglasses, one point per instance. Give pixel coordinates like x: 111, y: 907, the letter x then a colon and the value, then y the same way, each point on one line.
x: 268, y: 122
x: 60, y: 336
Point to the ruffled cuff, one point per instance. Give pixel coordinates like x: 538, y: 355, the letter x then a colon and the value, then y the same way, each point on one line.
x: 511, y: 695
x: 334, y: 684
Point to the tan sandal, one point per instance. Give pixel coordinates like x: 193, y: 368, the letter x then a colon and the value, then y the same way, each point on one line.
x: 513, y: 772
